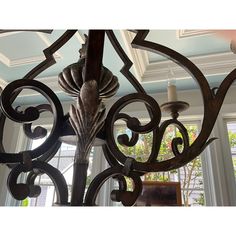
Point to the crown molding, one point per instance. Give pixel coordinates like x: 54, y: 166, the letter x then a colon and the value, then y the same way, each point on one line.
x: 221, y: 63
x: 191, y: 33
x: 3, y: 83
x: 214, y: 64
x: 51, y: 82
x: 5, y: 60
x: 28, y: 60
x: 9, y: 33
x: 23, y: 61
x: 137, y: 56
x: 48, y: 43
x: 149, y: 72
x: 80, y: 37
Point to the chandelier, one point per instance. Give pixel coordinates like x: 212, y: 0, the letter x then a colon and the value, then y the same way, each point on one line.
x: 87, y: 123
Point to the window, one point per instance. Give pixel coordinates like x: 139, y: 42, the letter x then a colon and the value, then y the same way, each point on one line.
x: 63, y: 160
x: 190, y: 176
x: 231, y: 127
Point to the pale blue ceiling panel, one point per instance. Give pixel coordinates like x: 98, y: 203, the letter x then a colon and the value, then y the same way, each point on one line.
x: 22, y: 45
x: 189, y: 46
x: 26, y: 44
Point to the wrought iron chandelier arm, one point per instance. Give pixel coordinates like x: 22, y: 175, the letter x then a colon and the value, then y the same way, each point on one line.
x: 140, y: 43
x: 133, y: 123
x: 175, y: 141
x: 21, y: 191
x: 210, y: 115
x: 207, y: 94
x: 224, y: 87
x: 111, y: 159
x: 49, y: 154
x: 125, y: 70
x: 31, y: 114
x: 126, y: 197
x: 123, y: 139
x: 208, y: 99
x: 38, y: 132
x: 31, y: 75
x: 48, y: 52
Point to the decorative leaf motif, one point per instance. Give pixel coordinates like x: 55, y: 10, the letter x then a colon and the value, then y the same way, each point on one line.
x: 87, y: 118
x: 71, y: 80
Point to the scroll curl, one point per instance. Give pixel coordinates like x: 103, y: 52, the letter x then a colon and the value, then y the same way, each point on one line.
x: 20, y: 190
x: 30, y: 114
x: 127, y: 198
x: 132, y: 123
x: 38, y: 132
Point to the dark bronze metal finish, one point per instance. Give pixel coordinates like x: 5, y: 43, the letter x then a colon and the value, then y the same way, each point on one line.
x: 90, y: 82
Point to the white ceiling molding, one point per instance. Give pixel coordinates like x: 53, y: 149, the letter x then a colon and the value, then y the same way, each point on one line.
x: 28, y: 60
x: 23, y: 61
x: 80, y: 37
x: 9, y: 33
x: 137, y: 56
x: 214, y: 64
x: 191, y: 33
x: 51, y: 82
x: 5, y: 60
x: 3, y: 83
x: 48, y: 43
x: 146, y: 72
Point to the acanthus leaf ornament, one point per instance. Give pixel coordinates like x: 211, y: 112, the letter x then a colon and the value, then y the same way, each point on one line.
x: 87, y: 117
x: 72, y: 78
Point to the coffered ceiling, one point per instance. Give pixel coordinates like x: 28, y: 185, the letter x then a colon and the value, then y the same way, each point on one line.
x: 22, y: 51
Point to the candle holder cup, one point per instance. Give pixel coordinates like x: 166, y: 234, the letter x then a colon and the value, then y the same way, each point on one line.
x: 174, y: 108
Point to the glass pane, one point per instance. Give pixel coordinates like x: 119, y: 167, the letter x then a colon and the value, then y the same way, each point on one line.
x: 191, y: 175
x: 67, y: 150
x: 46, y: 196
x: 231, y: 126
x: 65, y: 164
x: 193, y: 198
x: 45, y: 180
x: 31, y: 201
x: 54, y: 162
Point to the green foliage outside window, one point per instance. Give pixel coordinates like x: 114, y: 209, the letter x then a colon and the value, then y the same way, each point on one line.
x: 232, y: 142
x: 191, y: 174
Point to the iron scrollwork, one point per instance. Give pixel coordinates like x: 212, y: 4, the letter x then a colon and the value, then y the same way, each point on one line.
x: 90, y: 82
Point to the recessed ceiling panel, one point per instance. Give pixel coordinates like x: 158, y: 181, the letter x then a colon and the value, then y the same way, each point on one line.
x: 21, y: 46
x: 203, y: 44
